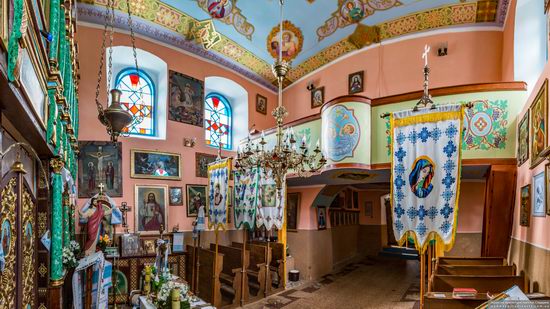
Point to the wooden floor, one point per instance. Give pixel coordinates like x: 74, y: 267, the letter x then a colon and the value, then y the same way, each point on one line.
x: 384, y: 283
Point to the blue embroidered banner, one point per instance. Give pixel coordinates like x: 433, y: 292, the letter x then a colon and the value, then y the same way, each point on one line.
x: 246, y: 198
x: 218, y: 187
x: 426, y: 147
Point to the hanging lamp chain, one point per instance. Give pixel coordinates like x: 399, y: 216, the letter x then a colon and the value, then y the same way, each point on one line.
x: 132, y: 36
x: 111, y: 35
x: 102, y: 59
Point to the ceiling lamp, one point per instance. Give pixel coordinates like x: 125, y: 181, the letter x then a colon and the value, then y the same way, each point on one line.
x: 114, y: 118
x: 284, y: 157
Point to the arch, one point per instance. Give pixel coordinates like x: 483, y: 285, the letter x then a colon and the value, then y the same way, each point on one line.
x: 151, y: 67
x: 237, y: 97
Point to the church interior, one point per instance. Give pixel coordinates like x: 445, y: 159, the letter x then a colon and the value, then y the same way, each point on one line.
x: 274, y: 154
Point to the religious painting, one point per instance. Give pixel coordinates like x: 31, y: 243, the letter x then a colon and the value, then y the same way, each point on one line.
x: 196, y: 197
x: 219, y: 8
x: 547, y: 187
x: 4, y: 13
x: 130, y: 244
x: 99, y: 163
x: 341, y: 135
x: 369, y: 209
x: 539, y: 195
x: 186, y: 99
x: 523, y: 139
x: 149, y: 246
x: 151, y: 164
x: 539, y: 123
x: 175, y: 196
x: 321, y: 218
x: 151, y: 212
x: 292, y: 211
x: 546, y: 6
x: 6, y: 237
x: 317, y: 97
x: 525, y: 206
x: 293, y: 41
x: 261, y: 104
x: 355, y: 82
x: 201, y: 163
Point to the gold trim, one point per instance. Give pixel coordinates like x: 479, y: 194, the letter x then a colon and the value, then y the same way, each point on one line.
x: 136, y: 203
x: 57, y: 283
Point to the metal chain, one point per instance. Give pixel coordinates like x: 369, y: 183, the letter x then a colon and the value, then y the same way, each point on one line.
x: 110, y: 71
x: 130, y: 24
x: 101, y: 61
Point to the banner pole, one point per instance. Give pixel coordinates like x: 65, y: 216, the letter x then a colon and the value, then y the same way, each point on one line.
x: 268, y: 266
x: 244, y: 269
x: 422, y: 278
x: 215, y: 265
x: 197, y: 266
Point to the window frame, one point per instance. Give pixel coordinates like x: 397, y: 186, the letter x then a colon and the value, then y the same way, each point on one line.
x: 142, y: 74
x: 229, y: 108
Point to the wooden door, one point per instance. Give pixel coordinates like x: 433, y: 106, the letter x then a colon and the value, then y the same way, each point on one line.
x: 498, y: 215
x: 391, y: 236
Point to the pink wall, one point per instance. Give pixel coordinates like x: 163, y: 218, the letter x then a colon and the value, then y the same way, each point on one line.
x: 470, y: 207
x: 538, y: 233
x: 89, y: 40
x: 307, y: 216
x: 508, y: 44
x: 377, y: 208
x: 474, y: 57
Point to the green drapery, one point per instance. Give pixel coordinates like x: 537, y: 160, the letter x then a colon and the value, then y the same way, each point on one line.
x: 56, y: 252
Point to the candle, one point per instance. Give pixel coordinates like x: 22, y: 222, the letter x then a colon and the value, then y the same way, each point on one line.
x: 304, y: 140
x: 175, y: 296
x: 317, y: 144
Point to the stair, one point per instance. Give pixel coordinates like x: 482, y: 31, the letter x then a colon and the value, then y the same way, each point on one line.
x: 399, y: 252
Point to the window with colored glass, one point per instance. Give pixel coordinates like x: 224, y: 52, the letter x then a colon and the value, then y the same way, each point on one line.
x: 217, y: 121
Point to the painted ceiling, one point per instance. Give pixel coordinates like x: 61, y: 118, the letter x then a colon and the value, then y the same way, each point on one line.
x: 243, y: 34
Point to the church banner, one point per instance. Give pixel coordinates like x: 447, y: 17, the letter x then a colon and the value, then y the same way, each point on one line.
x: 246, y: 197
x: 271, y: 204
x: 426, y: 147
x: 218, y: 188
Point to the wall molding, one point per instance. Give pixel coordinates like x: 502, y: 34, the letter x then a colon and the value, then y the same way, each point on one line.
x: 530, y: 243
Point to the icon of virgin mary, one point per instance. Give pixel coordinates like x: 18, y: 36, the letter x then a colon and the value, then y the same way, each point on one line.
x: 420, y: 178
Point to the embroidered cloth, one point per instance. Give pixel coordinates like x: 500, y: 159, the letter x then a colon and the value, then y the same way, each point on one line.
x: 246, y: 198
x: 218, y: 188
x: 271, y: 203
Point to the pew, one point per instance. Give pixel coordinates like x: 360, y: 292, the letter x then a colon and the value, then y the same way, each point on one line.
x: 483, y: 284
x: 277, y: 262
x: 257, y: 269
x: 231, y: 276
x: 471, y: 261
x: 433, y: 300
x: 208, y: 275
x: 478, y: 270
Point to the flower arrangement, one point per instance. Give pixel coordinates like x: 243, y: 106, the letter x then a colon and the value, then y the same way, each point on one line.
x: 70, y: 252
x: 164, y: 299
x: 104, y: 242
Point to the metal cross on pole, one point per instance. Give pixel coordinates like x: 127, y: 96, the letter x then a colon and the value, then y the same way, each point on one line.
x: 125, y: 209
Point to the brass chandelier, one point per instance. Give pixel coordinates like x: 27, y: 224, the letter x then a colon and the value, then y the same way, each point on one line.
x: 284, y: 157
x: 114, y: 118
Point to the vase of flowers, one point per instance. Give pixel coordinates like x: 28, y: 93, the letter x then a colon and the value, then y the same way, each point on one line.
x: 70, y: 252
x: 104, y: 242
x: 166, y: 292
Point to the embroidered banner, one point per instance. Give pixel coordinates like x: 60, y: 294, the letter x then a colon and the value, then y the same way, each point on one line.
x: 218, y: 187
x: 271, y: 203
x: 246, y: 198
x: 426, y: 148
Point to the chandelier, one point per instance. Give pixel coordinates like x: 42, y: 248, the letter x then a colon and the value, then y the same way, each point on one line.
x: 114, y: 118
x: 285, y: 156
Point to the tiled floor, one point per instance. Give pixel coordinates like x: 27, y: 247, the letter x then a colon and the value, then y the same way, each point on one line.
x: 370, y: 284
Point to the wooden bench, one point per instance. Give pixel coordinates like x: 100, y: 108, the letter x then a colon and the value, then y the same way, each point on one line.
x: 483, y: 284
x: 257, y: 269
x: 277, y: 262
x: 231, y: 276
x: 208, y: 274
x: 471, y: 261
x: 477, y: 270
x: 433, y: 302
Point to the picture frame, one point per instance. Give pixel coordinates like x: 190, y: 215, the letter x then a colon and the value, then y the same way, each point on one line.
x: 186, y: 104
x: 149, y: 247
x: 151, y: 211
x: 196, y: 197
x: 201, y: 163
x: 152, y: 164
x: 293, y: 201
x: 356, y: 82
x: 538, y: 114
x: 539, y: 195
x: 321, y: 218
x: 100, y: 163
x: 317, y: 97
x: 261, y: 104
x: 175, y: 196
x: 369, y: 209
x: 523, y: 139
x: 547, y: 187
x: 4, y: 15
x: 130, y: 245
x: 525, y: 206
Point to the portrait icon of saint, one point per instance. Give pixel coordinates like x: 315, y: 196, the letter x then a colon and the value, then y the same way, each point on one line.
x: 152, y: 216
x: 420, y: 178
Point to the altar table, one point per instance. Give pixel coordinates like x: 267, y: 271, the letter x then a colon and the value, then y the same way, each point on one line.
x: 144, y: 303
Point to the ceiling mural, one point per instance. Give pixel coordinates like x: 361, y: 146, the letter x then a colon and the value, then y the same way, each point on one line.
x: 228, y: 13
x: 242, y: 35
x: 351, y: 12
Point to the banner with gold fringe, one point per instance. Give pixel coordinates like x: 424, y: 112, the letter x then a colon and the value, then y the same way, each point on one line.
x: 218, y: 188
x: 271, y: 202
x: 425, y: 167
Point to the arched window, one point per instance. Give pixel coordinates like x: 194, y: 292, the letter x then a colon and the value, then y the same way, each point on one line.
x: 138, y: 98
x: 217, y: 121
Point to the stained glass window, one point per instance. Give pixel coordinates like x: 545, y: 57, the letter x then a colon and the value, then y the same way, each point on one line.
x: 217, y: 121
x: 138, y: 97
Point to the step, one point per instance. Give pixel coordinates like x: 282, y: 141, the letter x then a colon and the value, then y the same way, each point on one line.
x: 400, y: 249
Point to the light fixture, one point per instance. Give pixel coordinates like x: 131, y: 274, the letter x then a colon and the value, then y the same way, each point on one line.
x: 115, y: 118
x: 284, y: 157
